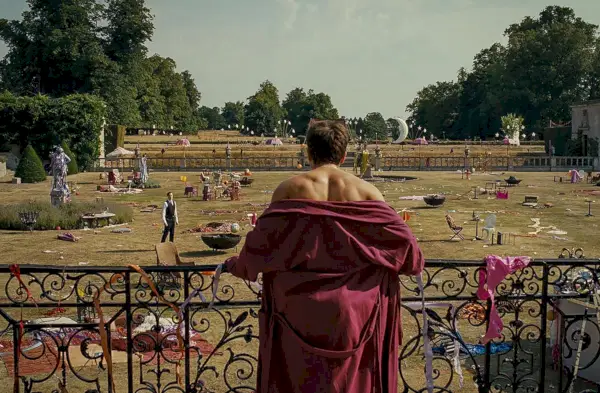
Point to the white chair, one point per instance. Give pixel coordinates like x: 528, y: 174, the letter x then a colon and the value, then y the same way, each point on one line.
x: 489, y: 226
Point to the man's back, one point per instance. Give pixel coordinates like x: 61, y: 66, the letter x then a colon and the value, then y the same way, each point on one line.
x: 327, y: 183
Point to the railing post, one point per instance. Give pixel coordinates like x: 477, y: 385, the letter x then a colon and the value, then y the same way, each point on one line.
x: 129, y: 317
x: 488, y: 349
x: 186, y: 335
x: 543, y: 326
x: 16, y: 350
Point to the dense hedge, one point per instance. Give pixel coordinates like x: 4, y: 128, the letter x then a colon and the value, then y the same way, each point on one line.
x: 72, y: 166
x: 47, y: 122
x: 30, y: 168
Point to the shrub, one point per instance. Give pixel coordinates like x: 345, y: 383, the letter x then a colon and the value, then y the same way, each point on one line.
x: 151, y: 184
x: 30, y: 168
x: 72, y: 167
x: 67, y: 217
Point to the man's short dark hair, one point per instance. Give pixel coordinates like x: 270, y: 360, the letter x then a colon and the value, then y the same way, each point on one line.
x: 169, y: 193
x: 327, y: 141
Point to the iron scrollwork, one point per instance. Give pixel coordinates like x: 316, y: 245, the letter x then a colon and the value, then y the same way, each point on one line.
x: 220, y: 343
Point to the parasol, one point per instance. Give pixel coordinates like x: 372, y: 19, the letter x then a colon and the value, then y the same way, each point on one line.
x: 118, y: 153
x: 185, y: 143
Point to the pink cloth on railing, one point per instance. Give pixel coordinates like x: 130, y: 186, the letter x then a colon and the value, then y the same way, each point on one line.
x: 495, y: 272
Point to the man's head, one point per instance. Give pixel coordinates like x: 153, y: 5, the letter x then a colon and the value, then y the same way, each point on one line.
x: 327, y: 141
x: 170, y: 195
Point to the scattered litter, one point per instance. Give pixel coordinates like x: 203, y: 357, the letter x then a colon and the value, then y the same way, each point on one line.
x: 83, y: 263
x: 116, y: 225
x: 69, y: 237
x: 452, y: 211
x: 560, y: 238
x: 412, y: 198
x: 49, y: 252
x: 121, y: 230
x: 556, y: 232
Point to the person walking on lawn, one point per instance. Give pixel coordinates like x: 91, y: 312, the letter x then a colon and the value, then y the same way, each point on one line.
x: 169, y: 217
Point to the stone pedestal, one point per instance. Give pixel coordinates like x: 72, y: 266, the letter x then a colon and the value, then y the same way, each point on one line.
x: 377, y: 158
x: 58, y: 198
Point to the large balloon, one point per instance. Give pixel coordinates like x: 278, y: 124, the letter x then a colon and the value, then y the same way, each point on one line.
x: 403, y: 130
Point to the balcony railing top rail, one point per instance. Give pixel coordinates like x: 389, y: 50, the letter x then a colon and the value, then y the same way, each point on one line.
x: 542, y: 307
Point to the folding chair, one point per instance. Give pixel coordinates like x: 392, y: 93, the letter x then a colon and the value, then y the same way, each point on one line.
x: 167, y: 255
x: 454, y: 228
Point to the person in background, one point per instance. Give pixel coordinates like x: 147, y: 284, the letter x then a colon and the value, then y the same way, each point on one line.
x: 169, y: 217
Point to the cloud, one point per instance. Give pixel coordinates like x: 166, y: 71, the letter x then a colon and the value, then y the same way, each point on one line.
x: 292, y: 7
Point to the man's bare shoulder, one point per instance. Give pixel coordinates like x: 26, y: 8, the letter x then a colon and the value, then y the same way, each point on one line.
x: 371, y: 192
x: 288, y: 189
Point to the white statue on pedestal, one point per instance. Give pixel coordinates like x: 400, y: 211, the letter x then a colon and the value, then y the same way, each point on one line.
x: 59, y: 168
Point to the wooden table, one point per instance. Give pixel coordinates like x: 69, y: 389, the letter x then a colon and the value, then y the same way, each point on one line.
x: 94, y: 219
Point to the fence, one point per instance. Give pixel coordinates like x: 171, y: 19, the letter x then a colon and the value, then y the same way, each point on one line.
x: 405, y: 163
x: 220, y: 351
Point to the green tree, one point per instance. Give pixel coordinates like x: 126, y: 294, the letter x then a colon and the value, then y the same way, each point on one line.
x: 233, y: 113
x: 263, y: 110
x: 72, y: 166
x: 54, y: 49
x: 393, y: 128
x: 374, y: 127
x: 30, y: 168
x: 548, y: 60
x: 214, y: 119
x: 303, y: 106
x: 436, y: 107
x: 128, y: 29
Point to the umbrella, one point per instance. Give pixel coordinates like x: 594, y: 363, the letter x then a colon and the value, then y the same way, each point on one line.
x: 118, y: 153
x: 274, y: 142
x: 185, y: 143
x: 420, y: 141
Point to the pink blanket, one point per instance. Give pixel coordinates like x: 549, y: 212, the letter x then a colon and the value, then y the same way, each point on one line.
x: 496, y: 270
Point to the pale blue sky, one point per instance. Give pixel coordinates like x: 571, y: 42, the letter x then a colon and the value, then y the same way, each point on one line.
x: 369, y: 55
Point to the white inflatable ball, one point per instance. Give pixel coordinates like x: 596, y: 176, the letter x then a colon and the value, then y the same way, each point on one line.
x: 235, y: 228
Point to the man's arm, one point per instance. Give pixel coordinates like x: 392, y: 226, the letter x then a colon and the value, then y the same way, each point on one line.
x: 164, y: 213
x: 261, y: 251
x: 410, y: 260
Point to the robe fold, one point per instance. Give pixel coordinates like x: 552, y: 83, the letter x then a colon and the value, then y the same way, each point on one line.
x: 330, y: 313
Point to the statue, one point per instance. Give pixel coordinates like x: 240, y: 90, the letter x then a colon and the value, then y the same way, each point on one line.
x: 228, y: 151
x: 364, y: 162
x: 144, y: 169
x: 59, y: 193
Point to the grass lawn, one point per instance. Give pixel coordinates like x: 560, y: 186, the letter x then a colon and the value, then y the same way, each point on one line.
x: 103, y: 248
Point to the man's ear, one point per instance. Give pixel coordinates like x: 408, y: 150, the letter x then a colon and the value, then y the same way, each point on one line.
x: 343, y: 159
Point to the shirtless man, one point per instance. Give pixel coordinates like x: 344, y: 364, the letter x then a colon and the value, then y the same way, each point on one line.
x: 326, y: 181
x: 329, y: 250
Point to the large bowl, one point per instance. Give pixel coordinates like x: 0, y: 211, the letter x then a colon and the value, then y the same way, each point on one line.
x: 512, y: 182
x: 221, y: 241
x: 434, y: 200
x: 246, y: 181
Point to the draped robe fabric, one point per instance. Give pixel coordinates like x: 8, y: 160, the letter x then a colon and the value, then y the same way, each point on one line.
x: 330, y: 313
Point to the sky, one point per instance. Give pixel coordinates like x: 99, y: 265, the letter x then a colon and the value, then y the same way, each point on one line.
x: 368, y: 55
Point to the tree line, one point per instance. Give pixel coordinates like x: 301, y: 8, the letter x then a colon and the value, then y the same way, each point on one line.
x: 60, y: 48
x: 96, y: 47
x: 549, y: 63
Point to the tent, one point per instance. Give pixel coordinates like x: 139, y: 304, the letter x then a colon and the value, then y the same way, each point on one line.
x: 119, y: 153
x: 274, y: 142
x: 420, y: 141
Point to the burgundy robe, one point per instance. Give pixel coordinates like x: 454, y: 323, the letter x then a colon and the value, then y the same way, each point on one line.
x: 330, y: 315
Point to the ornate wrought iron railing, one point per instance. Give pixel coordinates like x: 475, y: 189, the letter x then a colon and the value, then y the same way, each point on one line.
x: 50, y: 338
